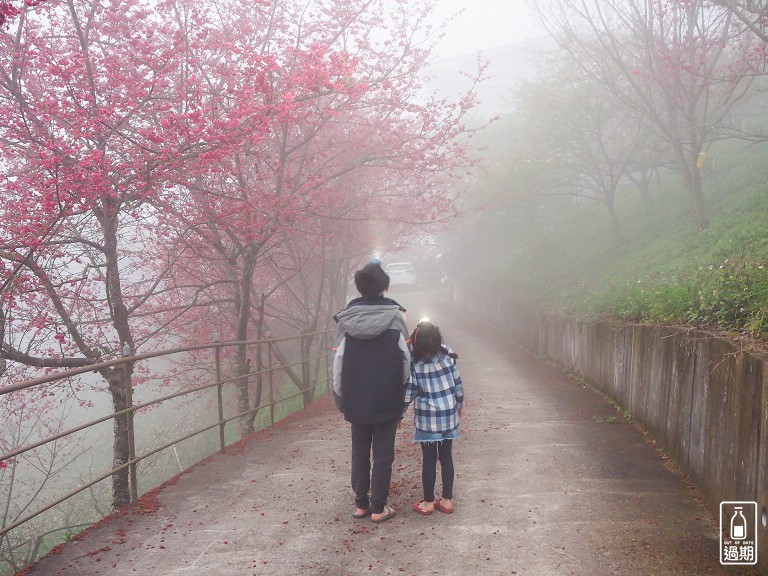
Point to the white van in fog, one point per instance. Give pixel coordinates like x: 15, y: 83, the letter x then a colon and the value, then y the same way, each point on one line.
x: 401, y: 274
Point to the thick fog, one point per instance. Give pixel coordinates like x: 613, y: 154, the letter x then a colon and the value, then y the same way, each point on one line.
x: 570, y: 186
x: 483, y: 25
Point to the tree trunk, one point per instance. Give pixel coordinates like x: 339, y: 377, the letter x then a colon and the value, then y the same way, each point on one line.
x: 242, y: 368
x: 118, y: 379
x: 617, y: 233
x: 643, y: 184
x: 242, y: 364
x: 306, y: 379
x: 693, y: 189
x: 696, y: 199
x: 259, y: 358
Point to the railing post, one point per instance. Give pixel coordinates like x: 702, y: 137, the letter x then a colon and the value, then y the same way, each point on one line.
x: 270, y: 381
x: 126, y: 352
x: 304, y: 369
x: 327, y: 356
x: 34, y: 546
x: 219, y: 391
x: 259, y: 375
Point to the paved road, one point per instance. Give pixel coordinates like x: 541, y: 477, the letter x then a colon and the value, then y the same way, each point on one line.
x: 550, y: 481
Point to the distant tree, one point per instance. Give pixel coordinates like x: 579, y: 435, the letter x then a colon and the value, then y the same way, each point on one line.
x: 579, y: 135
x: 753, y: 14
x: 681, y: 66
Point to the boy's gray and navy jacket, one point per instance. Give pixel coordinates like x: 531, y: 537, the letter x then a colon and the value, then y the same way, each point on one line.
x: 372, y: 364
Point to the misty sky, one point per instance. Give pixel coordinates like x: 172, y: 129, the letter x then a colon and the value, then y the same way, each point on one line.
x: 484, y: 24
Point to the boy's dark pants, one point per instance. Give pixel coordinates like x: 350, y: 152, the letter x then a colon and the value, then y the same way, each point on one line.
x: 380, y: 437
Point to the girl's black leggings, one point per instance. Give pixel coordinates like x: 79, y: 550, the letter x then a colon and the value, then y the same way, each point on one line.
x: 432, y: 452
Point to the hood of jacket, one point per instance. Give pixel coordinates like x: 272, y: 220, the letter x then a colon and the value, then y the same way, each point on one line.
x: 368, y: 321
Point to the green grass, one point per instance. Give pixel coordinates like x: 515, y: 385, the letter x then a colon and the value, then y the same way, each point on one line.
x: 664, y: 271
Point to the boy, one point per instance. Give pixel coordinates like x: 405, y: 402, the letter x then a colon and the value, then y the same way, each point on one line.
x: 370, y: 371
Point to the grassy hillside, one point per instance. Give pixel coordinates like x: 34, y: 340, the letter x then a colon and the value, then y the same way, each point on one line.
x: 664, y: 271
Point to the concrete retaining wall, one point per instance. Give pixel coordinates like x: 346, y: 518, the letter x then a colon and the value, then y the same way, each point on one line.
x: 701, y: 397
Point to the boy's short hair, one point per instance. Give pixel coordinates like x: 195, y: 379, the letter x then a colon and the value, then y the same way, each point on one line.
x: 371, y: 280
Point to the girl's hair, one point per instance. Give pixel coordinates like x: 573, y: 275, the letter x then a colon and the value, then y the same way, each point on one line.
x: 426, y: 340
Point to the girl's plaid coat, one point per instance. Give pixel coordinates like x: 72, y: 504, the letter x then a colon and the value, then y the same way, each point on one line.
x: 436, y: 392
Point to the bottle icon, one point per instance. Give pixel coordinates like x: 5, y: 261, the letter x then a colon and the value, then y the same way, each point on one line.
x: 738, y: 525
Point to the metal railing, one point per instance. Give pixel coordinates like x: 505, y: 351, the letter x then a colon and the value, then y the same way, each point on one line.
x: 322, y: 353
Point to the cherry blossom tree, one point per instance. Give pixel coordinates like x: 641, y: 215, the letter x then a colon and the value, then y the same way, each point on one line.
x: 10, y: 10
x: 158, y: 157
x: 343, y: 107
x: 95, y: 113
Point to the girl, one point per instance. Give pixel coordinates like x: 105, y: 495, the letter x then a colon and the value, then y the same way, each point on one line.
x: 439, y: 397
